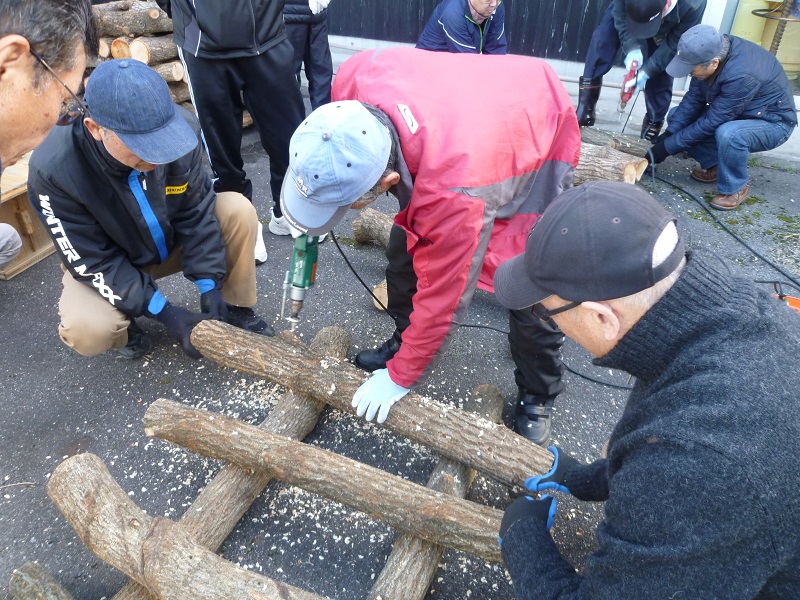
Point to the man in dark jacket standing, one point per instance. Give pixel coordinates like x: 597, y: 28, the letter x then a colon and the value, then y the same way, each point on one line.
x: 700, y: 486
x: 472, y: 26
x: 307, y: 29
x: 739, y: 102
x: 648, y: 32
x: 231, y: 50
x: 125, y: 197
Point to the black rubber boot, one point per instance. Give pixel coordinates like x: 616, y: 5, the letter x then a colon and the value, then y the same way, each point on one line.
x: 138, y: 343
x: 650, y: 130
x: 533, y: 416
x: 245, y: 318
x: 372, y: 360
x: 588, y: 95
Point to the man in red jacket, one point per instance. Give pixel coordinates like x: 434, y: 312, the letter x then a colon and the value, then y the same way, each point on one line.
x: 474, y: 148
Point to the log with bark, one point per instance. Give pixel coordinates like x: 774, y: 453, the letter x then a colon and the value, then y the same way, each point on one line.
x: 407, y: 506
x: 157, y: 553
x: 624, y: 143
x: 121, y: 47
x: 372, y: 226
x: 152, y: 50
x: 223, y: 502
x: 411, y: 567
x: 604, y: 163
x: 179, y: 92
x: 32, y: 582
x: 104, y: 47
x: 492, y: 449
x: 170, y: 71
x: 130, y: 18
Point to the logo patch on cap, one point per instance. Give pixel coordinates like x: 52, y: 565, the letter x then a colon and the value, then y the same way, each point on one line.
x: 301, y: 186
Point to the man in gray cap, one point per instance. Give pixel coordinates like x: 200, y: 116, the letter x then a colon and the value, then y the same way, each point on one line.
x: 125, y: 197
x: 700, y: 488
x: 739, y: 102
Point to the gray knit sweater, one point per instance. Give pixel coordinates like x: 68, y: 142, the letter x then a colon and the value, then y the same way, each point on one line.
x: 701, y: 484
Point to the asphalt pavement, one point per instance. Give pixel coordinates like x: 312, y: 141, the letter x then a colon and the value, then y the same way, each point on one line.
x: 56, y: 404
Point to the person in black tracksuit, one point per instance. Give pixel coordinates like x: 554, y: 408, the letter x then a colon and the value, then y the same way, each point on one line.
x: 233, y: 50
x: 308, y: 33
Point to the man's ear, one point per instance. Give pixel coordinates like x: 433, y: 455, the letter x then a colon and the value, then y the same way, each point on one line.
x: 93, y: 128
x: 13, y: 50
x: 604, y: 318
x: 387, y: 182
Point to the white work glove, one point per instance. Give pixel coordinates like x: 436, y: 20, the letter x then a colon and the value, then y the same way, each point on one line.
x: 633, y: 55
x: 638, y: 81
x: 317, y: 6
x: 377, y: 395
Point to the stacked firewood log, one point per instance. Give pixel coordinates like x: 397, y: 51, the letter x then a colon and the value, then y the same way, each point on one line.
x: 139, y: 29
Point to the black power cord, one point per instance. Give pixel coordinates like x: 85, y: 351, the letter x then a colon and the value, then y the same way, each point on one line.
x: 488, y: 327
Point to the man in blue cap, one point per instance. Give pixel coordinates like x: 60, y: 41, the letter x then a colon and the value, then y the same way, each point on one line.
x: 124, y: 196
x: 700, y: 488
x: 739, y: 102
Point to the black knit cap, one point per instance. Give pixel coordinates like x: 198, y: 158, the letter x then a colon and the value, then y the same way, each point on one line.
x: 594, y: 242
x: 643, y: 17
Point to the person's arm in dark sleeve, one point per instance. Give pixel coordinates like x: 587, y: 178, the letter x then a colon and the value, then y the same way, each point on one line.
x: 668, y: 48
x: 626, y: 41
x: 495, y: 40
x: 166, y: 6
x: 681, y: 521
x: 84, y: 248
x: 733, y: 98
x: 690, y: 108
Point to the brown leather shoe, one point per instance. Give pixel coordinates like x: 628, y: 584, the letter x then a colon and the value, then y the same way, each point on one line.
x: 730, y: 201
x: 705, y: 175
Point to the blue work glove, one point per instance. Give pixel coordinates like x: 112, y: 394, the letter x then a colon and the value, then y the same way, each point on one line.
x: 633, y: 55
x: 179, y: 323
x: 543, y: 509
x: 555, y: 478
x: 377, y: 395
x: 212, y: 304
x: 639, y: 81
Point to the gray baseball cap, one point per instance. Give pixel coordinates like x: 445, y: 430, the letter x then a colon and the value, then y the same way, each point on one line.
x: 697, y: 46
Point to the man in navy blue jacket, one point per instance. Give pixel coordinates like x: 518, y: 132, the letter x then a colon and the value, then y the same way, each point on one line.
x: 473, y: 26
x: 739, y: 102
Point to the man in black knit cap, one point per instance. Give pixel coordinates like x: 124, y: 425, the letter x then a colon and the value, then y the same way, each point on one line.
x: 700, y: 488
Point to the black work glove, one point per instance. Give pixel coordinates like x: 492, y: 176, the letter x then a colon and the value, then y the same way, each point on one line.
x: 555, y: 478
x: 543, y: 509
x: 211, y: 303
x: 658, y: 153
x: 179, y: 323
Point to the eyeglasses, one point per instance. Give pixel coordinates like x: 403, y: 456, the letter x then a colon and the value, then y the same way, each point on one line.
x: 546, y: 315
x: 72, y: 110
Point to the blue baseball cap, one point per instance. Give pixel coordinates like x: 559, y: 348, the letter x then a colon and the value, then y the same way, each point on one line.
x: 129, y: 98
x: 697, y: 46
x: 335, y: 156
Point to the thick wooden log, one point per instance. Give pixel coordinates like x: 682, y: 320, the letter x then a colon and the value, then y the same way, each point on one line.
x: 115, y: 5
x: 407, y: 506
x: 104, y: 47
x: 410, y: 568
x: 372, y: 226
x: 141, y: 18
x: 492, y: 449
x: 624, y: 143
x: 121, y: 47
x: 32, y: 582
x: 604, y: 163
x: 179, y: 91
x: 156, y: 552
x: 223, y: 502
x: 380, y: 292
x: 152, y: 50
x: 170, y: 71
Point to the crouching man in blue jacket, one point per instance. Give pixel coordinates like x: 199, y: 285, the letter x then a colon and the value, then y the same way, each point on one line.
x: 739, y: 102
x: 123, y: 193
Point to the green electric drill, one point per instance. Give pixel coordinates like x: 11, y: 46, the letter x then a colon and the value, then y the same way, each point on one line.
x: 300, y: 276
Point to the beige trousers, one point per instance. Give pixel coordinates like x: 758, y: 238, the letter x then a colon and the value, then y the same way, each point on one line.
x: 90, y: 325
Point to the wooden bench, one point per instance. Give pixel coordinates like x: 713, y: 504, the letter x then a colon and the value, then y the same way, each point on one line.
x: 17, y: 212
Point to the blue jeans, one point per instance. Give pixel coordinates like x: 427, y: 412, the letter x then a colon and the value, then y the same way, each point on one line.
x: 600, y: 57
x: 731, y: 146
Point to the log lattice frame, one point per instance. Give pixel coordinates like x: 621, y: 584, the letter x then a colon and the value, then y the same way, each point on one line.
x: 176, y: 560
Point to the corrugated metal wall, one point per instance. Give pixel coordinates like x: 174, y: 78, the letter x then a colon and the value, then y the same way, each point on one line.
x: 558, y: 29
